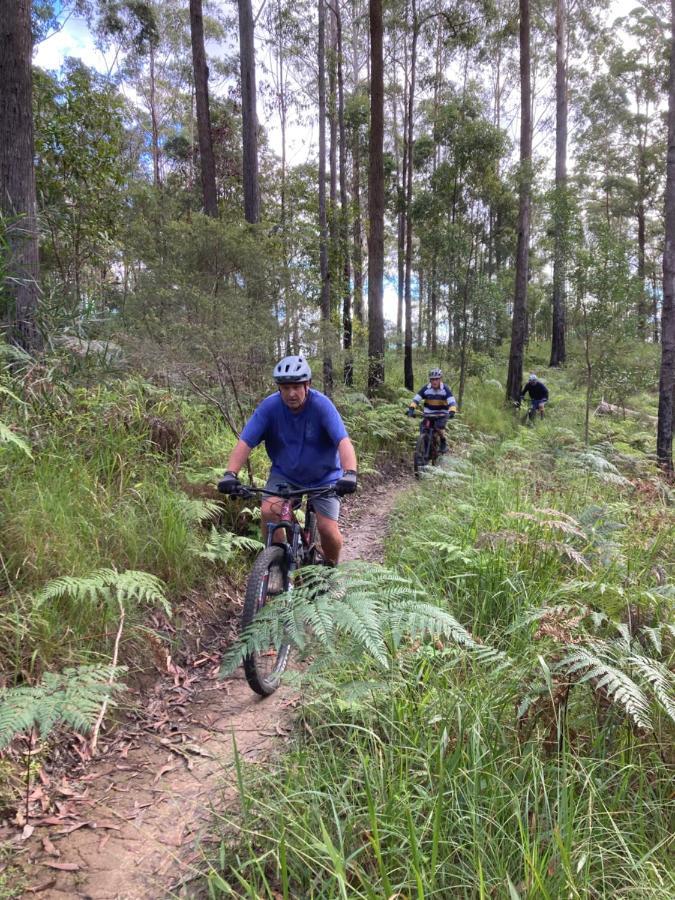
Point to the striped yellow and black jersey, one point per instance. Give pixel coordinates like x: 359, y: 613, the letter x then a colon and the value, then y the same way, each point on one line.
x: 435, y: 401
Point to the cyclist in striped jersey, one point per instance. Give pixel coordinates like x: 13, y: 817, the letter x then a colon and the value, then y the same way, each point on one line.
x: 438, y: 404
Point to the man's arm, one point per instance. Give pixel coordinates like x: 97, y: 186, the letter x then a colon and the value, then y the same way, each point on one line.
x: 238, y: 457
x: 347, y: 455
x: 415, y: 402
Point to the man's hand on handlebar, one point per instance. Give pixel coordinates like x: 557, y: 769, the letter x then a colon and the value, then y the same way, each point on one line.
x: 346, y: 484
x: 229, y: 484
x: 410, y: 412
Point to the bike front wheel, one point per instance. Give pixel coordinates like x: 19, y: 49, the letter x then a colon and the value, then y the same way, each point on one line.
x: 421, y: 456
x: 269, y: 577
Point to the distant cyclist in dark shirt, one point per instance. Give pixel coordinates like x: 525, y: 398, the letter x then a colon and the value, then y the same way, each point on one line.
x: 438, y: 405
x: 538, y: 395
x: 308, y: 445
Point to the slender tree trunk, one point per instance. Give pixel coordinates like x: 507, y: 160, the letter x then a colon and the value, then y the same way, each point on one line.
x: 154, y: 125
x: 376, y: 202
x: 323, y: 224
x: 17, y: 175
x: 344, y: 209
x: 249, y: 118
x: 334, y: 261
x: 408, y: 376
x: 420, y: 307
x: 433, y: 310
x: 357, y: 227
x: 643, y: 308
x: 664, y: 437
x: 201, y: 76
x: 560, y: 207
x: 518, y: 326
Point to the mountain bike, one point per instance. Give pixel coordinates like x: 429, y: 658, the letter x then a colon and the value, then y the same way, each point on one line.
x: 531, y: 412
x: 428, y: 446
x: 271, y: 575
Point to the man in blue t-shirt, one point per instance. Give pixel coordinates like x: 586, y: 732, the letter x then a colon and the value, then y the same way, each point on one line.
x: 307, y: 443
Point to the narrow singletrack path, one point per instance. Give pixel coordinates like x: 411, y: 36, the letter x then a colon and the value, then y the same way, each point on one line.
x: 130, y: 826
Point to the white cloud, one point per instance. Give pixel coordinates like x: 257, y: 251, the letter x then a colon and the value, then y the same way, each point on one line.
x: 74, y: 39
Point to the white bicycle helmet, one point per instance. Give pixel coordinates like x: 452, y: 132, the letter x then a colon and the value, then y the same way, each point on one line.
x: 292, y: 370
x: 435, y: 373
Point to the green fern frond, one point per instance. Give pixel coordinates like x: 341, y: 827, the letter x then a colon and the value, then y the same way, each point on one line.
x: 105, y: 585
x: 197, y: 511
x: 659, y: 678
x: 72, y: 697
x: 369, y: 606
x: 223, y: 545
x: 610, y: 680
x: 7, y: 436
x: 559, y: 610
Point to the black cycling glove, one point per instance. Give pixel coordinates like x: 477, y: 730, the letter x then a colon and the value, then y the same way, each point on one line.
x: 230, y: 484
x: 346, y: 484
x: 410, y: 412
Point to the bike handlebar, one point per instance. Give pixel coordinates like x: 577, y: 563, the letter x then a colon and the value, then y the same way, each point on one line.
x: 287, y: 494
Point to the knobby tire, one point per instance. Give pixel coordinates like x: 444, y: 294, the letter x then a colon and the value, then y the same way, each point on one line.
x: 422, y: 450
x: 264, y: 669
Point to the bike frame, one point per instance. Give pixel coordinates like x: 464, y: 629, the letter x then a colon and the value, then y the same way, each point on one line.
x: 298, y: 537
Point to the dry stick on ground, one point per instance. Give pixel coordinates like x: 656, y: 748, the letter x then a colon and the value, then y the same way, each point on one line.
x: 104, y: 705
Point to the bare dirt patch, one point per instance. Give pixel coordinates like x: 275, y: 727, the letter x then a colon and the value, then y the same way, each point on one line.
x: 129, y: 825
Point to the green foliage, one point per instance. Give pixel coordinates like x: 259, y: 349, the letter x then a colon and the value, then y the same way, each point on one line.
x: 72, y: 697
x: 541, y: 773
x: 82, y: 164
x: 357, y: 611
x: 104, y: 586
x: 222, y: 546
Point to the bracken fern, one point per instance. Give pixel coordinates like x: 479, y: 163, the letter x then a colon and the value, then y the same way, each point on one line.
x: 372, y: 607
x: 106, y: 585
x: 72, y: 697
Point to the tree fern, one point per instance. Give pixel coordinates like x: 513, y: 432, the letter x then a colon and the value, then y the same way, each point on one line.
x: 106, y: 585
x: 72, y: 697
x: 368, y: 609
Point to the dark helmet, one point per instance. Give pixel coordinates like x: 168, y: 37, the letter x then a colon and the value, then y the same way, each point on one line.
x: 292, y: 370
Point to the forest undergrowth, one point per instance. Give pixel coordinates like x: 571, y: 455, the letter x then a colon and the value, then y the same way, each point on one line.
x: 519, y: 743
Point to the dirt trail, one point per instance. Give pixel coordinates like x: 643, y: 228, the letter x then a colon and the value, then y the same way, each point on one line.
x: 130, y: 828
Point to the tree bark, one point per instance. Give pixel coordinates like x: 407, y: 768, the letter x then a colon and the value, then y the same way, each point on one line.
x: 518, y: 326
x: 408, y: 376
x: 201, y: 76
x: 664, y: 436
x: 561, y: 223
x: 17, y: 174
x: 249, y: 119
x: 376, y: 202
x: 323, y: 229
x: 344, y: 209
x: 154, y: 124
x: 357, y: 229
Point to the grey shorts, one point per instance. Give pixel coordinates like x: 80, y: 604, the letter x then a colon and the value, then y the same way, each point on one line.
x: 325, y: 506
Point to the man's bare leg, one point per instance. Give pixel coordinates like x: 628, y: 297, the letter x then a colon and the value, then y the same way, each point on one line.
x: 331, y: 538
x: 270, y: 510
